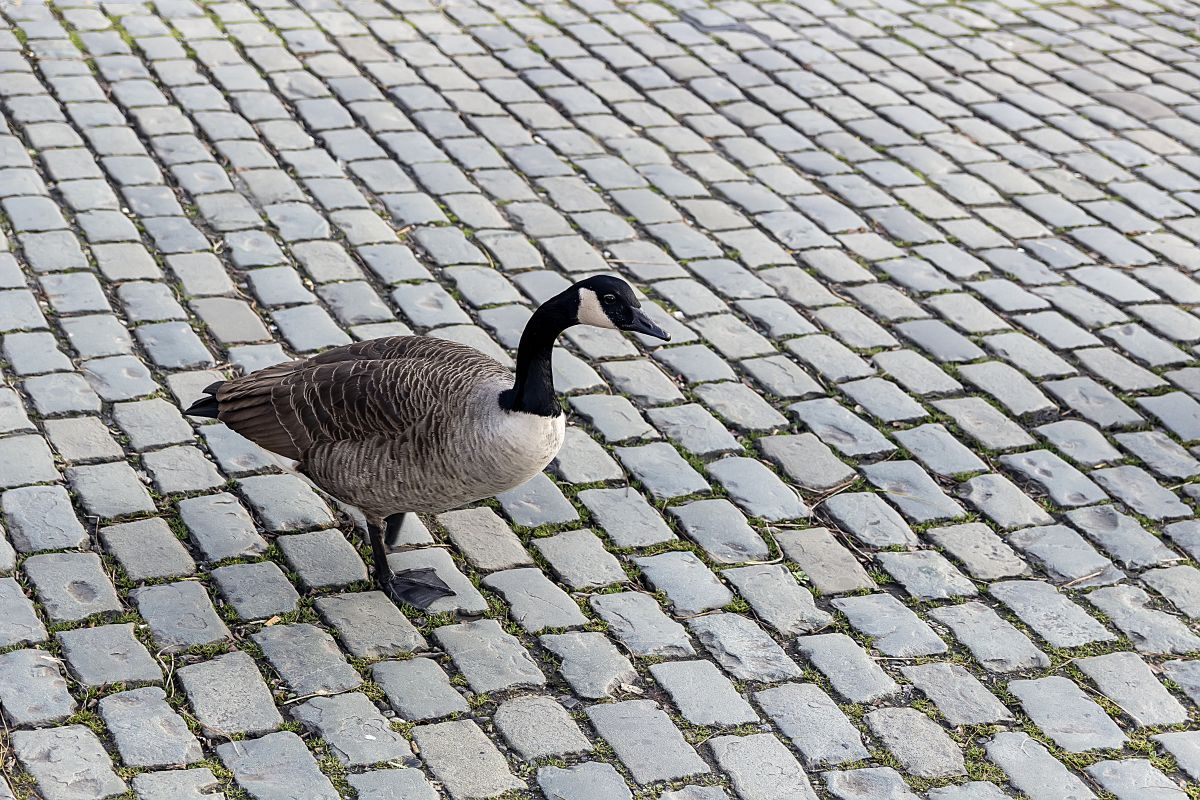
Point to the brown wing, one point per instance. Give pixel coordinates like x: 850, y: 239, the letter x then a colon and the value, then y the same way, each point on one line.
x: 383, y: 386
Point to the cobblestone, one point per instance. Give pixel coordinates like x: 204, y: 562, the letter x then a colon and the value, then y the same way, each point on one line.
x: 928, y: 273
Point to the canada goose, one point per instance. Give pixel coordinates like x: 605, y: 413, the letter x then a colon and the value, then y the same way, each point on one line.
x: 419, y: 424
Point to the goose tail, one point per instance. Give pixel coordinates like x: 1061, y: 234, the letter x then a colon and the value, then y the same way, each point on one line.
x: 206, y: 406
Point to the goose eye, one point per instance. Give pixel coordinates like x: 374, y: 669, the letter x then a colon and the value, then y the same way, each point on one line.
x: 610, y: 298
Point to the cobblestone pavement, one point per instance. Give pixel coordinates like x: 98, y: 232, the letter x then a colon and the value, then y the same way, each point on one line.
x: 904, y: 509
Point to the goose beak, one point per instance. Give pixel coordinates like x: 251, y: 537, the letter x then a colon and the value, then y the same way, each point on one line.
x: 642, y: 324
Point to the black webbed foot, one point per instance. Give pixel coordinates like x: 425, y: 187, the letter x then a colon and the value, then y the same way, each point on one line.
x: 418, y: 587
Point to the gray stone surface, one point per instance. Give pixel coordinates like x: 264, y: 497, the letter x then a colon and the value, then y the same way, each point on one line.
x: 1066, y: 714
x: 418, y: 689
x: 228, y: 696
x: 646, y: 741
x: 929, y: 276
x: 465, y: 760
x: 147, y: 731
x: 590, y: 780
x: 67, y: 763
x: 816, y: 727
x: 490, y: 658
x: 275, y: 767
x: 33, y: 691
x: 760, y: 766
x: 593, y: 665
x: 354, y: 728
x: 537, y: 727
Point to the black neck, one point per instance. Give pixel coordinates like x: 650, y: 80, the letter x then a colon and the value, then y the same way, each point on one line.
x: 533, y: 392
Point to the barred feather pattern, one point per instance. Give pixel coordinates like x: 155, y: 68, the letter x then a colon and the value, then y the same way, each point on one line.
x: 408, y: 423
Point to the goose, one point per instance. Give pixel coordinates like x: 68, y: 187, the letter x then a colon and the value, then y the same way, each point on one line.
x: 418, y: 424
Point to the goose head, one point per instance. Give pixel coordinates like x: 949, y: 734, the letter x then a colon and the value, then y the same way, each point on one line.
x: 607, y: 302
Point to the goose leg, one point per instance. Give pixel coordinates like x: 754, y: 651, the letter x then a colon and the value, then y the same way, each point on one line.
x: 418, y: 587
x: 392, y: 526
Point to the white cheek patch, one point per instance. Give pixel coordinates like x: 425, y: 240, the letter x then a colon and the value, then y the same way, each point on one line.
x: 590, y: 312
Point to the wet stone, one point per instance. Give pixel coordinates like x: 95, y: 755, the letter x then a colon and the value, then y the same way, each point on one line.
x: 960, y: 698
x: 356, y: 731
x: 593, y: 665
x: 743, y: 649
x: 994, y: 642
x: 490, y: 658
x: 851, y: 672
x: 538, y: 727
x: 646, y: 741
x: 816, y: 727
x: 147, y: 731
x: 1051, y: 615
x: 922, y: 746
x: 228, y: 696
x: 107, y: 655
x: 1066, y: 714
x: 639, y: 621
x: 894, y: 629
